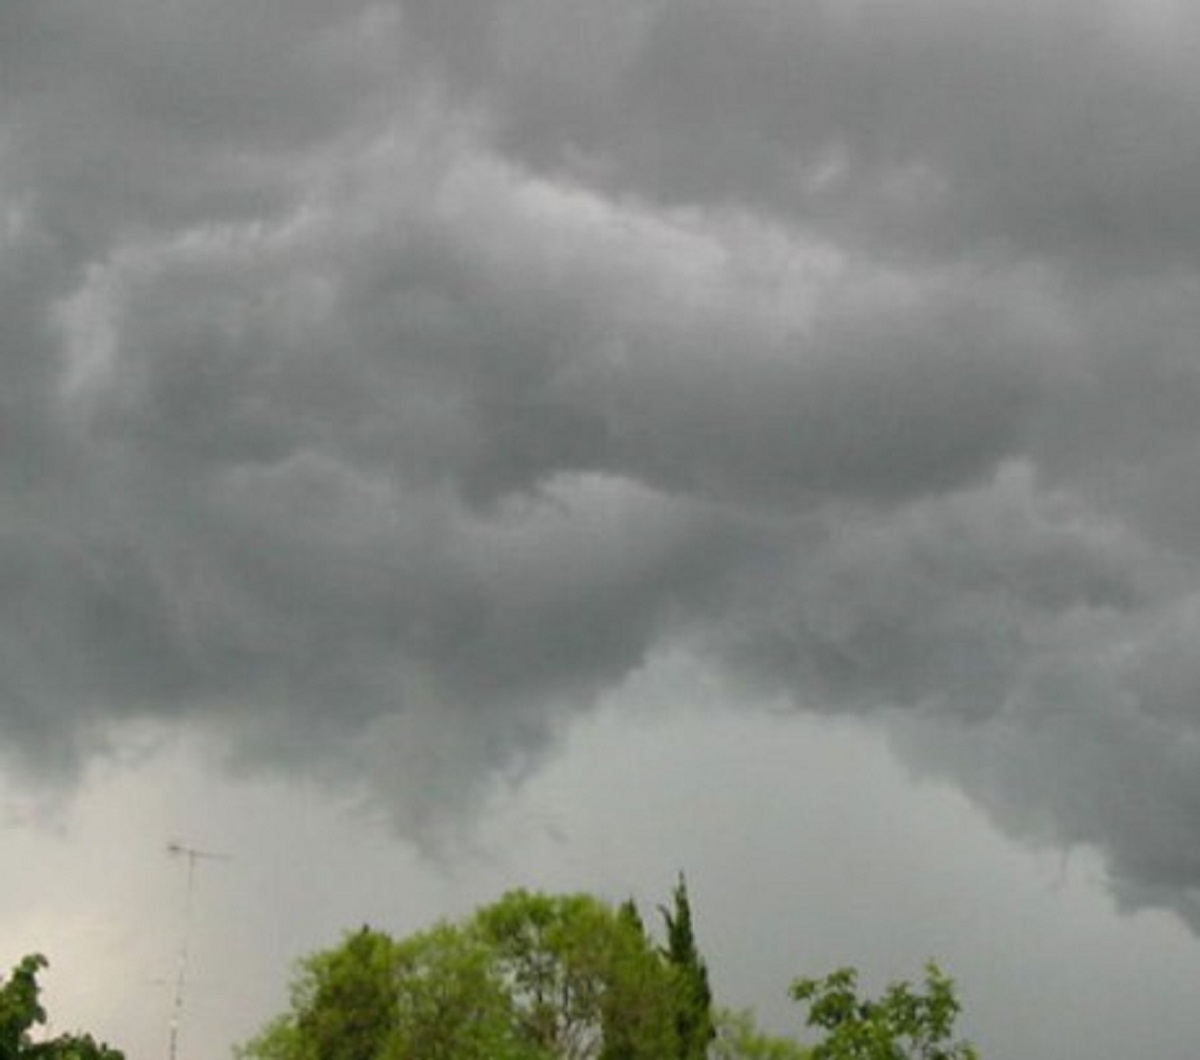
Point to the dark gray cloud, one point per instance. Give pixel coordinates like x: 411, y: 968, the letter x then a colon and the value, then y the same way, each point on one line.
x: 1064, y: 129
x: 381, y: 383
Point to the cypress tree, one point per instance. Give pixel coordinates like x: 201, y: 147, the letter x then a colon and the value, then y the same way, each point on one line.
x: 694, y: 1024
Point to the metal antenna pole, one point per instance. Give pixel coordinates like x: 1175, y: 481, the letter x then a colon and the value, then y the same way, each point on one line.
x: 193, y: 856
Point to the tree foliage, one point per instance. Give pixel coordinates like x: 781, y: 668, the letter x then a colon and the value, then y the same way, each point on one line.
x: 738, y: 1037
x: 530, y: 977
x: 21, y: 1011
x: 566, y: 977
x: 903, y: 1024
x: 693, y: 1017
x: 584, y: 980
x: 350, y: 1005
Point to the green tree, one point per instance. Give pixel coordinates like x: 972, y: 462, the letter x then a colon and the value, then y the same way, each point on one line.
x: 353, y: 1006
x: 584, y: 979
x: 739, y: 1038
x: 694, y: 1016
x: 451, y: 1001
x: 21, y: 1010
x: 530, y: 977
x: 643, y: 992
x: 903, y: 1024
x: 435, y: 995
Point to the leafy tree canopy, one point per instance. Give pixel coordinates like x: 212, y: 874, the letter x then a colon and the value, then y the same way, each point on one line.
x: 903, y: 1024
x: 530, y: 977
x: 544, y: 977
x: 737, y: 1037
x: 21, y: 1010
x: 694, y: 1016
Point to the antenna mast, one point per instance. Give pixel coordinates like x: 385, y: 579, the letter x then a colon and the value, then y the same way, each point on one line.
x: 193, y: 855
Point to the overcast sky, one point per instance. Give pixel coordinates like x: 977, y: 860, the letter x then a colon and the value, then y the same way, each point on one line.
x: 447, y: 444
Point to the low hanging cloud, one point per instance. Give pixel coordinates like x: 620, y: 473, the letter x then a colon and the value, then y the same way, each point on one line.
x: 384, y: 382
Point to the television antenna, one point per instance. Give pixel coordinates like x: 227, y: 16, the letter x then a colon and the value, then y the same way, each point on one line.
x: 194, y: 856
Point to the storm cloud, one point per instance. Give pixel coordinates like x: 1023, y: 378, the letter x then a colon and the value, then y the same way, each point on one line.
x: 381, y: 383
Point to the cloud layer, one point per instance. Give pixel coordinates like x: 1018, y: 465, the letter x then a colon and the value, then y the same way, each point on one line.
x: 382, y: 382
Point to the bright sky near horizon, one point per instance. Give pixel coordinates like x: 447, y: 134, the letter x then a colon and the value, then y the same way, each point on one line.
x: 451, y: 445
